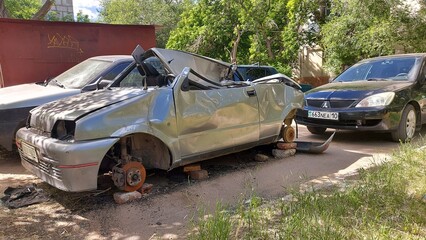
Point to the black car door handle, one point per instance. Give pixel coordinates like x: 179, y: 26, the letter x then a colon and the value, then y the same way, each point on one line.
x: 251, y: 93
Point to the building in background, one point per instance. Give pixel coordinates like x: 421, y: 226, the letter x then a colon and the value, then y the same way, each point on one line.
x: 62, y: 9
x: 310, y: 68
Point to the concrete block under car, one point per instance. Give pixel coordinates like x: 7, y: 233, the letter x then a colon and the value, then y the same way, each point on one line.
x: 146, y: 188
x: 124, y: 197
x: 199, y: 175
x: 191, y: 168
x: 278, y: 153
x: 286, y: 146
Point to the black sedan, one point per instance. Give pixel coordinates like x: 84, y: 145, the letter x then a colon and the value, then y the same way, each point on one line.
x: 377, y: 94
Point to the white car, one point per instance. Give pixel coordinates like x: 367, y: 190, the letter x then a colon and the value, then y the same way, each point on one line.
x: 17, y: 101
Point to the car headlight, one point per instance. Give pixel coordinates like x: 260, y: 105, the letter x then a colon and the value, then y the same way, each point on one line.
x: 63, y: 130
x: 377, y: 100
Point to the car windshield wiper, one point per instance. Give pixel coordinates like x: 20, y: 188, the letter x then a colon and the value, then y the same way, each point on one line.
x: 58, y: 83
x: 377, y: 79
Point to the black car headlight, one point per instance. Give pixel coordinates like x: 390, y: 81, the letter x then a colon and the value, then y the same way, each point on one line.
x: 63, y: 130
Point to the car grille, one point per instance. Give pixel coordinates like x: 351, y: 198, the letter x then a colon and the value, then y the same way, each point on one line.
x: 45, y: 167
x: 333, y: 103
x: 341, y: 123
x: 40, y: 132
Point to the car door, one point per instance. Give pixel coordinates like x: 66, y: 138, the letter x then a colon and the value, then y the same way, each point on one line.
x: 211, y: 117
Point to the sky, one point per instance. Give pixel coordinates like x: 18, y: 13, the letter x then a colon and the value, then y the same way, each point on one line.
x: 88, y: 7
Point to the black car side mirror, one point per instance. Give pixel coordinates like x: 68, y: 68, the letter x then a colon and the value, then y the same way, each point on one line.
x: 103, y: 83
x: 137, y: 54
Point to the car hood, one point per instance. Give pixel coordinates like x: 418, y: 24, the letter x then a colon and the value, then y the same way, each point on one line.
x: 29, y: 95
x: 354, y: 90
x: 75, y: 107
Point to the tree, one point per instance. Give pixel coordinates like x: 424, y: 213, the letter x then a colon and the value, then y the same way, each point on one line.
x: 3, y: 11
x: 82, y: 17
x: 41, y: 13
x: 163, y: 13
x: 208, y: 28
x: 25, y: 9
x: 244, y: 31
x: 360, y: 29
x: 31, y: 9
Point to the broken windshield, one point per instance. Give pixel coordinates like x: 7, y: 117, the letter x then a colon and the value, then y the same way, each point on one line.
x: 81, y: 74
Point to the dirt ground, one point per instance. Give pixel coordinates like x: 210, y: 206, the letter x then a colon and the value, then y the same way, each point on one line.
x: 167, y: 212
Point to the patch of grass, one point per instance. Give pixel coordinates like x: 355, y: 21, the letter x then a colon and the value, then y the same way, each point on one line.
x: 385, y: 203
x: 213, y: 227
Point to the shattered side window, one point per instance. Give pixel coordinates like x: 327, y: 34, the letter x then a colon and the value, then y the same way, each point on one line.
x: 156, y: 63
x: 133, y: 79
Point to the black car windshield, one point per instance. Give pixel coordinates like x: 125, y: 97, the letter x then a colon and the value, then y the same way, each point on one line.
x: 383, y: 69
x: 81, y: 74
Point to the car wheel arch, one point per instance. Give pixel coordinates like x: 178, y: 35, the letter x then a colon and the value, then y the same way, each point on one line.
x: 401, y: 134
x: 417, y: 108
x: 151, y: 151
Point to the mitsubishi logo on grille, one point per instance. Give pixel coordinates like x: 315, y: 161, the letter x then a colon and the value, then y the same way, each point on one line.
x: 325, y: 104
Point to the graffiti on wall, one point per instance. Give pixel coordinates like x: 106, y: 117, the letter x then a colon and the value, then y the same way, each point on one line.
x: 63, y: 41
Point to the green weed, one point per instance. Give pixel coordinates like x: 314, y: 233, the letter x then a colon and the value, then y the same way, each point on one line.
x: 387, y: 202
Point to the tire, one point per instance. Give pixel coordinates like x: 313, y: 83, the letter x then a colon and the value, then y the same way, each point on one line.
x: 288, y: 134
x: 407, y: 126
x: 316, y: 130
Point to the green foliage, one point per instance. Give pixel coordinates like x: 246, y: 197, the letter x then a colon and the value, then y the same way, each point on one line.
x: 213, y: 227
x: 68, y: 18
x: 360, y: 29
x: 120, y: 11
x: 23, y: 9
x: 82, y: 17
x: 269, y: 30
x: 163, y: 13
x: 385, y: 202
x: 53, y: 16
x: 206, y: 29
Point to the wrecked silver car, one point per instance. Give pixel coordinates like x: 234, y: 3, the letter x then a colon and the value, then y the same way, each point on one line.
x: 172, y: 109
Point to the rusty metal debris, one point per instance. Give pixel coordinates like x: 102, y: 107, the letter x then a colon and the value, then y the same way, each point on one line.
x: 314, y: 147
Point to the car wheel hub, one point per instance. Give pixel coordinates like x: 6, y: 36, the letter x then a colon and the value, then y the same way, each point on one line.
x: 130, y: 177
x: 410, y: 124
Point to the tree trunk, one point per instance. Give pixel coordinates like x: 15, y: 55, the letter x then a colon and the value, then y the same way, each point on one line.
x: 3, y: 10
x: 235, y: 46
x: 43, y: 10
x: 269, y: 47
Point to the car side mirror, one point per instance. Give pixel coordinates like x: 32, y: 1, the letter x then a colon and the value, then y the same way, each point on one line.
x: 183, y: 79
x: 185, y: 84
x: 137, y: 54
x: 103, y: 83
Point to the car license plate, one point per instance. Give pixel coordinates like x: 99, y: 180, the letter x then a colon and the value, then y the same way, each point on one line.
x: 29, y: 151
x: 323, y: 115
